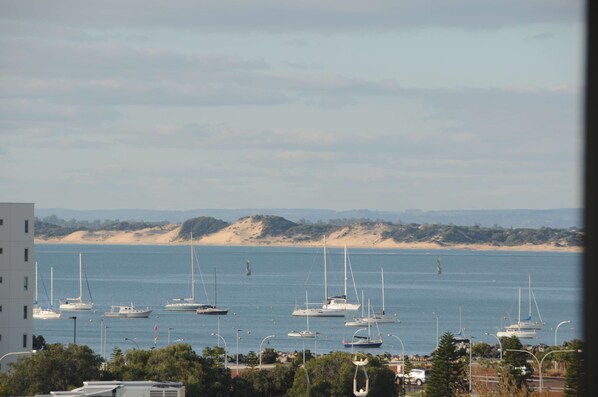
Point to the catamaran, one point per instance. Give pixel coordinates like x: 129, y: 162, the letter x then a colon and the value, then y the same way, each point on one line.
x: 186, y: 304
x: 77, y: 304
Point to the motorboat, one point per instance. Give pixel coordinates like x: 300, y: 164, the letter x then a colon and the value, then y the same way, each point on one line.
x: 128, y: 312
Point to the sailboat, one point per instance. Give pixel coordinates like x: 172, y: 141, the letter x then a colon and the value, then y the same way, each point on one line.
x: 186, y: 304
x: 519, y: 329
x: 364, y: 341
x: 247, y: 269
x: 76, y: 304
x: 339, y: 302
x: 526, y: 328
x: 212, y: 309
x: 323, y: 311
x: 374, y: 317
x: 49, y: 313
x: 305, y: 333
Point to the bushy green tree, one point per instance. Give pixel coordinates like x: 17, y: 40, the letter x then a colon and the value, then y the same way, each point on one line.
x: 55, y: 368
x: 513, y: 361
x: 447, y: 373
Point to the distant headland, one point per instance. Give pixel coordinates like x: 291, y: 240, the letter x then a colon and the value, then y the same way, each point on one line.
x: 270, y: 230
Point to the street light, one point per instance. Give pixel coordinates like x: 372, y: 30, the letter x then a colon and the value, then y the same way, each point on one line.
x: 307, y: 377
x: 402, y: 353
x: 17, y: 353
x: 239, y: 330
x: 557, y: 328
x: 471, y: 337
x: 132, y: 340
x: 225, y: 349
x: 542, y: 361
x: 436, y: 315
x: 169, y: 329
x: 499, y: 344
x: 353, y: 337
x: 74, y: 318
x: 263, y: 340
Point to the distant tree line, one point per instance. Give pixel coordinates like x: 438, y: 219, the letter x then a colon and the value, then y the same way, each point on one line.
x: 276, y: 226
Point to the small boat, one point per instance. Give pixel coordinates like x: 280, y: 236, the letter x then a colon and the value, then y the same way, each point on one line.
x: 77, y: 304
x: 378, y: 318
x: 365, y: 342
x: 212, y: 309
x: 49, y: 313
x: 186, y: 304
x: 306, y: 334
x: 128, y: 312
x: 527, y: 324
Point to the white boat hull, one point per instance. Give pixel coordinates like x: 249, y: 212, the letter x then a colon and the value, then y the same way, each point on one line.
x: 75, y: 306
x: 128, y: 312
x: 521, y: 334
x: 318, y: 313
x: 182, y: 306
x: 46, y: 314
x: 303, y: 334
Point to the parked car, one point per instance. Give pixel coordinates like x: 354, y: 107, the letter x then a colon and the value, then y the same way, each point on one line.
x: 416, y: 375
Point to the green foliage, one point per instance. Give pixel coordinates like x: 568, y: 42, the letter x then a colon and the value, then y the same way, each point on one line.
x: 269, y: 356
x: 513, y: 361
x: 252, y: 359
x: 201, y: 226
x: 54, y: 368
x: 483, y: 349
x: 268, y: 383
x: 575, y: 378
x: 447, y: 375
x: 332, y: 376
x: 39, y: 343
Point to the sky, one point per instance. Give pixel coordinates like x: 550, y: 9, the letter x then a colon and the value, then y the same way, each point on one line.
x: 343, y: 104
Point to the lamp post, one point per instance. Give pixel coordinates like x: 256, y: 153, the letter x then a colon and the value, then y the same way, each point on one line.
x: 169, y: 329
x: 402, y: 353
x: 263, y: 340
x: 132, y: 340
x: 238, y: 350
x: 542, y: 361
x: 557, y: 328
x: 353, y: 337
x: 225, y: 349
x: 103, y: 348
x: 17, y: 353
x: 74, y: 318
x: 436, y: 315
x: 499, y: 344
x: 471, y: 337
x: 307, y: 377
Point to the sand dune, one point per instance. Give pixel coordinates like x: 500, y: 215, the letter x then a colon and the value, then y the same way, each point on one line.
x: 247, y: 232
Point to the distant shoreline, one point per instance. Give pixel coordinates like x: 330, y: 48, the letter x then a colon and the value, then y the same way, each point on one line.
x: 406, y: 246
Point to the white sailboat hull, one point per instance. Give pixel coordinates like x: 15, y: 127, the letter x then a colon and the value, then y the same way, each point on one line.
x: 182, y: 305
x: 303, y: 334
x: 318, y: 313
x: 46, y: 314
x: 75, y: 305
x: 519, y: 333
x: 341, y: 305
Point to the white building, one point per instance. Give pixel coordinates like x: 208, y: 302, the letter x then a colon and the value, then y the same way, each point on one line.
x: 125, y: 389
x: 17, y: 284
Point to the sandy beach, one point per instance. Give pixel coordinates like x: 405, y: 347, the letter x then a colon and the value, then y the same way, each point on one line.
x: 246, y: 232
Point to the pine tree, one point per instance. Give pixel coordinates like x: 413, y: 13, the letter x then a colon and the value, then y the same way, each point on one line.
x: 447, y: 373
x: 574, y: 381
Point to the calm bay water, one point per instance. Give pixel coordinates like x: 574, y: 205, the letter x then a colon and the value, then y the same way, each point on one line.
x: 482, y: 285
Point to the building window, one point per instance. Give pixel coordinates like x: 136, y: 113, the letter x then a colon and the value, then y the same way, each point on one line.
x: 25, y: 312
x: 26, y: 225
x: 26, y: 283
x: 26, y: 254
x: 24, y: 340
x: 1, y: 222
x: 1, y: 249
x: 0, y: 279
x: 0, y: 308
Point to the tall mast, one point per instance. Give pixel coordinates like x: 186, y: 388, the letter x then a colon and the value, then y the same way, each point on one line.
x: 192, y: 271
x: 345, y: 296
x: 307, y: 311
x: 51, y: 287
x: 215, y: 289
x: 382, y: 270
x: 80, y: 276
x: 519, y: 312
x: 529, y: 299
x: 325, y: 275
x: 36, y: 282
